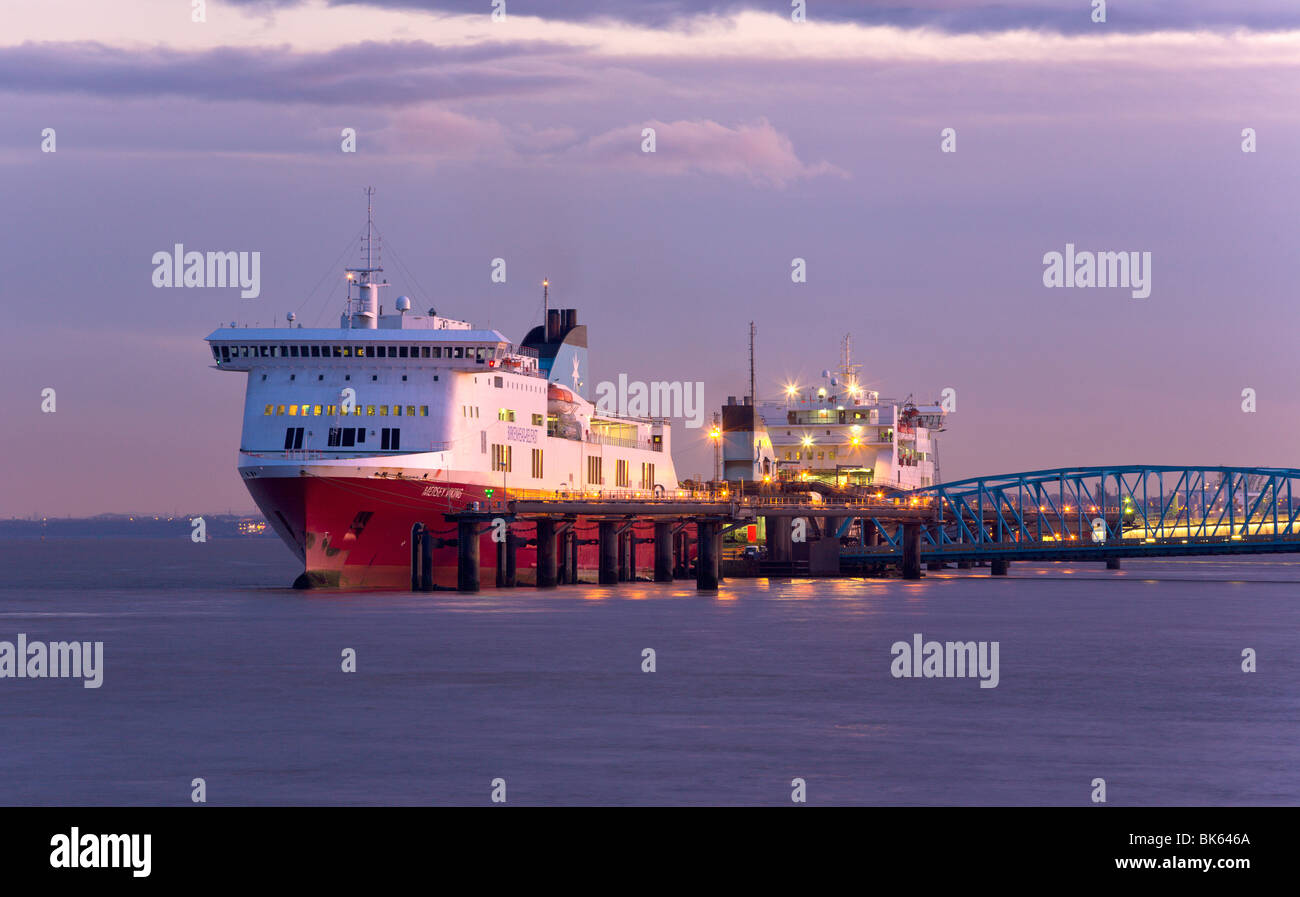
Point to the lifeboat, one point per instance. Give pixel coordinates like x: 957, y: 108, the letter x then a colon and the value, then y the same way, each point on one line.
x: 561, y: 398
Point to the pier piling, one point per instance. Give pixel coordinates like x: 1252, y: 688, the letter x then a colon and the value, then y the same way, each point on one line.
x: 467, y: 556
x: 507, y: 573
x: 870, y: 533
x: 426, y: 559
x: 663, y: 551
x: 623, y: 541
x: 417, y: 539
x: 706, y: 555
x: 546, y: 553
x: 609, y: 551
x: 780, y: 546
x: 911, y: 533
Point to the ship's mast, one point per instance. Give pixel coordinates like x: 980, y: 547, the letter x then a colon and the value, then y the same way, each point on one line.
x: 370, y: 226
x: 752, y: 331
x: 848, y: 370
x: 367, y: 289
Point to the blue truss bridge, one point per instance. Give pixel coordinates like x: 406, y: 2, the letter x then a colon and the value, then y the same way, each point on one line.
x: 1086, y: 513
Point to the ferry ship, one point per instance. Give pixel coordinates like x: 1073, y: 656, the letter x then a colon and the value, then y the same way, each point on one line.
x: 353, y: 434
x: 836, y: 435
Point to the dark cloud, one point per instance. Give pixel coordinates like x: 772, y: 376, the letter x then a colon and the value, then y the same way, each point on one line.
x: 378, y: 74
x: 961, y: 16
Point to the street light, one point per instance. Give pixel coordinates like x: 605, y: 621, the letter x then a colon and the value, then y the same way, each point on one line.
x: 715, y: 436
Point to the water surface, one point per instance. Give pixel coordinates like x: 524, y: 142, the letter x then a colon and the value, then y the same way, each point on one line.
x: 213, y: 670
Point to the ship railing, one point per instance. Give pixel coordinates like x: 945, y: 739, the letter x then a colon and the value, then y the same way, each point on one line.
x: 730, y: 497
x: 638, y: 496
x: 760, y: 501
x: 622, y: 442
x: 341, y: 453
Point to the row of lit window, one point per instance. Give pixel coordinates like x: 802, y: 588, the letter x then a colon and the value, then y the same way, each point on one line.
x: 477, y: 354
x: 596, y: 474
x: 508, y: 415
x: 332, y: 410
x: 799, y: 456
x: 503, y: 460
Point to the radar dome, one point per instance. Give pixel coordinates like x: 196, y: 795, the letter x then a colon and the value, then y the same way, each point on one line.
x: 403, y: 303
x: 291, y: 317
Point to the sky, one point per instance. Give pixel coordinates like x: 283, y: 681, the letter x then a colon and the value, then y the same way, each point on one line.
x: 775, y: 140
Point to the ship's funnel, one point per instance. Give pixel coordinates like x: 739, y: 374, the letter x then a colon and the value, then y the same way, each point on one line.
x: 561, y: 346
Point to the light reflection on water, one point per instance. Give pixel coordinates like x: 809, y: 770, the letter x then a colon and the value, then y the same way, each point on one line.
x: 1133, y: 675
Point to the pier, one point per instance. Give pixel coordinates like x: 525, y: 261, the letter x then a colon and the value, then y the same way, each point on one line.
x: 1083, y: 514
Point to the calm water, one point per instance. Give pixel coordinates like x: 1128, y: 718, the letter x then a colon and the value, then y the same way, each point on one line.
x: 213, y: 671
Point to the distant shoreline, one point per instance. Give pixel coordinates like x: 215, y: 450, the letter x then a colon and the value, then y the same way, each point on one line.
x: 251, y: 526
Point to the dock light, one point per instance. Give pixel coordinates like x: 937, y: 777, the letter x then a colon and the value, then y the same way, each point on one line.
x: 546, y: 283
x: 715, y: 433
x: 349, y: 275
x: 807, y: 441
x: 791, y: 390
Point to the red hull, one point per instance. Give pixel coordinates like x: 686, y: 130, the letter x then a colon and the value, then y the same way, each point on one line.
x: 356, y: 532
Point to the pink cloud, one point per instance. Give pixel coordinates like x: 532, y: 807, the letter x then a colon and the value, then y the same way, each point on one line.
x: 757, y: 152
